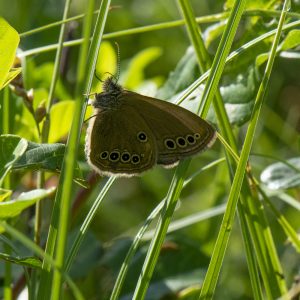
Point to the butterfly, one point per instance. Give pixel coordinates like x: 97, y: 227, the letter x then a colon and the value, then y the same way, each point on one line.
x: 130, y: 133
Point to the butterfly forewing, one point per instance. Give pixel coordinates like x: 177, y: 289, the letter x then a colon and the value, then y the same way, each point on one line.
x: 178, y: 132
x: 120, y: 145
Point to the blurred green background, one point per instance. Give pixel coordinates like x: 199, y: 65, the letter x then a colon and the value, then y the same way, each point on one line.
x: 130, y: 201
x: 25, y: 15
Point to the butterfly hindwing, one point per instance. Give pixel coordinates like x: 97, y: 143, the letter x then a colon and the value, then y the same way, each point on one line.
x: 178, y: 132
x: 118, y: 145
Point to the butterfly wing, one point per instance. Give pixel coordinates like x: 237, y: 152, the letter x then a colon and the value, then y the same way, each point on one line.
x: 178, y: 132
x: 119, y: 142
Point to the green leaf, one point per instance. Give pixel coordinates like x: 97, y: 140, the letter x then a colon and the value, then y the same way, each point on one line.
x: 40, y: 95
x: 135, y: 72
x: 106, y: 63
x: 12, y: 148
x: 29, y: 261
x: 291, y: 41
x: 4, y: 194
x: 9, y: 41
x: 107, y: 59
x: 42, y: 78
x: 13, y: 73
x: 184, y: 74
x: 47, y: 157
x: 282, y: 175
x: 10, y: 209
x: 260, y: 59
x: 61, y: 115
x: 213, y: 33
x: 25, y: 125
x: 238, y: 96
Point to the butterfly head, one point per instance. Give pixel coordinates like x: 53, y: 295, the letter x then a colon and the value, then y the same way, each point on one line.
x: 110, y: 97
x: 111, y: 86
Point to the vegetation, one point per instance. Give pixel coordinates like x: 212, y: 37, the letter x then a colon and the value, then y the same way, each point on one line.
x: 221, y: 225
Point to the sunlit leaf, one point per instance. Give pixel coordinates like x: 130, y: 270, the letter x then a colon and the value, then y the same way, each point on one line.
x: 4, y: 194
x: 260, y: 59
x: 9, y: 41
x: 12, y: 208
x: 61, y: 115
x: 291, y: 41
x: 282, y: 176
x: 13, y: 73
x: 106, y: 63
x: 135, y: 72
x: 40, y: 95
x: 11, y: 149
x: 43, y: 77
x: 26, y: 126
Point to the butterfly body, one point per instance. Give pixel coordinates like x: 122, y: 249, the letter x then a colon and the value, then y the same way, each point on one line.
x: 131, y: 133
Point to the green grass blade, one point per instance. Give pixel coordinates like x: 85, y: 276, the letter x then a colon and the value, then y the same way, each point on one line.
x: 234, y: 54
x: 86, y: 223
x: 143, y: 235
x: 161, y: 230
x: 80, y: 75
x: 46, y: 276
x: 177, y: 181
x: 131, y: 252
x: 65, y: 189
x: 266, y: 256
x: 121, y: 33
x: 225, y: 128
x: 251, y: 258
x: 221, y: 55
x: 288, y: 229
x: 46, y: 126
x: 81, y: 69
x: 212, y: 275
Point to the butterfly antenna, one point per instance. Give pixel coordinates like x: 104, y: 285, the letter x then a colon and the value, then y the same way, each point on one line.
x: 116, y: 77
x: 98, y: 77
x: 93, y: 116
x: 118, y: 61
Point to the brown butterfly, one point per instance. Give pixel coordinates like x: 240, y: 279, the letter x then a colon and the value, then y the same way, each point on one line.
x: 130, y: 133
